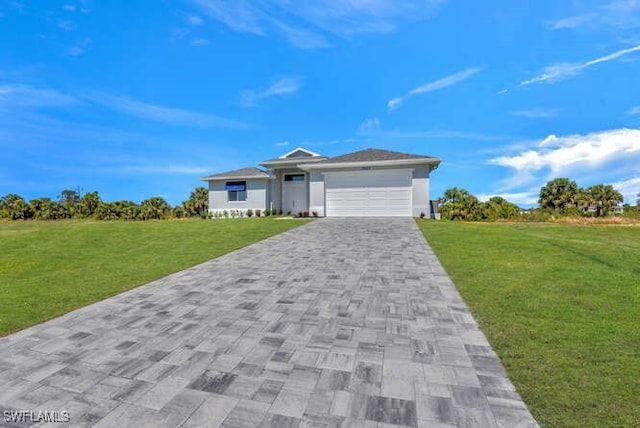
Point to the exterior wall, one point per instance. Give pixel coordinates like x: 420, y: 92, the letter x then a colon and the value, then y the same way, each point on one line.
x: 316, y: 193
x: 277, y: 186
x: 420, y: 188
x: 257, y: 196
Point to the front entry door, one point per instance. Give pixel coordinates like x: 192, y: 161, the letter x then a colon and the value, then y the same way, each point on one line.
x: 294, y: 193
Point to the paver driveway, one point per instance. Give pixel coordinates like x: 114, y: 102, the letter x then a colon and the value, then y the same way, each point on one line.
x: 341, y: 321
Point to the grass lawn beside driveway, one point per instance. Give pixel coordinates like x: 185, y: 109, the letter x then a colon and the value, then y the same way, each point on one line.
x: 560, y: 304
x: 50, y: 268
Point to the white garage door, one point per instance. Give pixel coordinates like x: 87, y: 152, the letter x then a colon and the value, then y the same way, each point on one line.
x: 368, y: 193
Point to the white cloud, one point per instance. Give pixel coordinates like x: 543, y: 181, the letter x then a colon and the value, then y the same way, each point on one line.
x: 434, y: 86
x: 306, y: 24
x: 69, y: 7
x: 634, y: 111
x: 167, y: 115
x: 283, y: 86
x: 556, y: 72
x: 199, y: 42
x: 630, y: 189
x: 536, y: 113
x: 281, y: 144
x: 596, y: 154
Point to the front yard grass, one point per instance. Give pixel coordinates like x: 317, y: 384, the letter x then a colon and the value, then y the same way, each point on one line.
x: 50, y: 268
x: 560, y: 304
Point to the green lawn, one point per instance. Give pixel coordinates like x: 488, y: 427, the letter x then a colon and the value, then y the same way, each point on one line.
x: 50, y: 268
x: 561, y: 306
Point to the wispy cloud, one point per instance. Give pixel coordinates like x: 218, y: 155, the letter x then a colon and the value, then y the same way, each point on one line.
x: 633, y: 111
x: 17, y: 96
x: 168, y: 169
x: 283, y: 86
x: 525, y: 198
x: 537, y: 113
x: 434, y: 86
x: 373, y: 128
x: 573, y: 21
x: 594, y: 154
x: 66, y: 25
x: 281, y: 143
x: 199, y: 42
x: 166, y: 115
x: 80, y: 48
x: 556, y: 72
x: 308, y: 24
x: 613, y: 16
x: 194, y: 20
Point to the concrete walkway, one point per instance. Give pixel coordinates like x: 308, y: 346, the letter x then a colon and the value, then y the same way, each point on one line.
x: 341, y: 322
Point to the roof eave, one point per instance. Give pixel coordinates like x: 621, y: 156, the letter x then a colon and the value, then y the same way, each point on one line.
x: 359, y: 164
x: 246, y: 177
x: 290, y: 162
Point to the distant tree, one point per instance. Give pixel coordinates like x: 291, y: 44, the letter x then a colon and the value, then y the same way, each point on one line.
x: 198, y: 203
x: 459, y: 204
x: 154, y: 208
x: 47, y: 209
x: 87, y: 205
x: 604, y: 197
x: 499, y: 208
x: 69, y: 197
x: 559, y: 194
x: 14, y: 207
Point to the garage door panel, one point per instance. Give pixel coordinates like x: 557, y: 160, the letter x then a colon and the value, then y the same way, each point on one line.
x: 378, y: 193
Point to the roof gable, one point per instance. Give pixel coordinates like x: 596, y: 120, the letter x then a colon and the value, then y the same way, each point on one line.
x: 299, y: 153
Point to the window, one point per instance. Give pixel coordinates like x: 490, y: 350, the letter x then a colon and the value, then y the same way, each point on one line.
x: 294, y: 177
x: 236, y: 191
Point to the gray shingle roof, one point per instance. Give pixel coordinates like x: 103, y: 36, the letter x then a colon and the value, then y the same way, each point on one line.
x: 372, y: 155
x: 250, y: 172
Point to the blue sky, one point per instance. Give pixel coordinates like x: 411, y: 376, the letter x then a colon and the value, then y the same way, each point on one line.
x: 141, y: 98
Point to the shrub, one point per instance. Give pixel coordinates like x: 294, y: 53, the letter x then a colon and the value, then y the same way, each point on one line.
x: 288, y: 212
x: 258, y: 212
x: 249, y: 212
x: 315, y: 213
x: 267, y: 212
x: 275, y: 212
x: 305, y: 214
x: 422, y: 214
x: 225, y: 214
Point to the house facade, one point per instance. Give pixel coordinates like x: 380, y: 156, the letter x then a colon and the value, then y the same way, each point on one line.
x: 369, y: 182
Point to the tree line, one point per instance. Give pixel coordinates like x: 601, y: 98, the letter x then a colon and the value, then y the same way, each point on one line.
x: 74, y: 204
x: 559, y: 197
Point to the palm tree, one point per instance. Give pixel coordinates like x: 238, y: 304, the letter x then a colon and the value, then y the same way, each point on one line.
x: 604, y: 197
x: 558, y: 194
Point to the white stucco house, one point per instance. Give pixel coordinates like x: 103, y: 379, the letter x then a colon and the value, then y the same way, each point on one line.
x: 369, y: 182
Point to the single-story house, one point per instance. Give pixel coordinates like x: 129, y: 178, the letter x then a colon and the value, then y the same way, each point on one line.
x: 369, y: 182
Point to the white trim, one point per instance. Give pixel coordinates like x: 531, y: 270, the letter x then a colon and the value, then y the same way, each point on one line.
x: 409, y: 171
x: 299, y: 149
